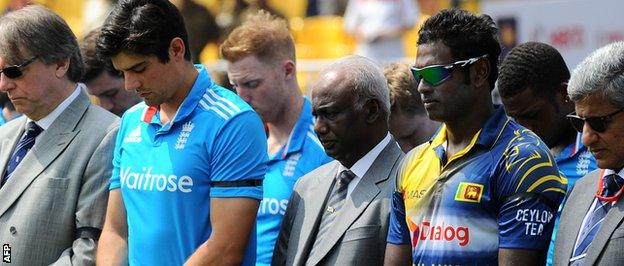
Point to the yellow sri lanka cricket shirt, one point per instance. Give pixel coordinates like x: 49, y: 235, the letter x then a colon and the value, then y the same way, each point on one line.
x: 501, y: 191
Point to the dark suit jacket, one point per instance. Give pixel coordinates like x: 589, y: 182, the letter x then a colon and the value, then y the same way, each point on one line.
x: 607, y: 247
x: 61, y: 185
x: 358, y: 235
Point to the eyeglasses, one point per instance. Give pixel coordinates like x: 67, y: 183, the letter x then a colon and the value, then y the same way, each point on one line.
x: 598, y: 123
x: 436, y: 74
x: 15, y: 71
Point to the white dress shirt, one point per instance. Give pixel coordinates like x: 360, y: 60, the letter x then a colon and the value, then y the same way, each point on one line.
x: 363, y: 164
x: 47, y: 121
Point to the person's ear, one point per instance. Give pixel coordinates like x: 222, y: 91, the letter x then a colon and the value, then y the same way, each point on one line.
x: 290, y: 69
x: 372, y: 109
x: 562, y: 99
x: 563, y: 92
x: 177, y: 49
x: 481, y: 72
x: 62, y: 67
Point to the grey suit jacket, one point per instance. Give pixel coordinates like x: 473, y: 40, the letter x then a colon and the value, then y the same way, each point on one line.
x: 358, y: 236
x: 607, y: 247
x: 60, y: 188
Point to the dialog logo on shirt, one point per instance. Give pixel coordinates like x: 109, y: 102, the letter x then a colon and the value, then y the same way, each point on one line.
x: 438, y: 232
x: 469, y: 192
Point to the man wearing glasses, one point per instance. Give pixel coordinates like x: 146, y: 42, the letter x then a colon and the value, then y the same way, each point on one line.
x: 591, y: 228
x: 532, y: 84
x: 409, y: 123
x: 484, y: 190
x: 54, y: 160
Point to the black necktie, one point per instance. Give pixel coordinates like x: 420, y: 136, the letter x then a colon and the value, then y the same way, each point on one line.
x: 23, y: 146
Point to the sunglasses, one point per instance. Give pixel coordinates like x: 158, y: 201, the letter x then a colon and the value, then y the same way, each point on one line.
x: 436, y: 74
x: 598, y: 123
x: 15, y: 71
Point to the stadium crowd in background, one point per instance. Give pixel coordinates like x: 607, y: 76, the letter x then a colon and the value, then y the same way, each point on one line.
x: 385, y: 163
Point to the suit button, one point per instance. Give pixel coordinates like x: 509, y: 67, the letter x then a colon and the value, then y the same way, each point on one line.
x: 13, y: 230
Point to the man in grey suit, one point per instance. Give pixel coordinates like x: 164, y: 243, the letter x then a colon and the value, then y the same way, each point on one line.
x: 591, y: 230
x: 338, y: 213
x: 54, y: 160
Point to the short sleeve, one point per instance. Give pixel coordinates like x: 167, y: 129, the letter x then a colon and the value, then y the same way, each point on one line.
x: 115, y: 176
x: 398, y: 232
x: 530, y: 189
x: 239, y: 158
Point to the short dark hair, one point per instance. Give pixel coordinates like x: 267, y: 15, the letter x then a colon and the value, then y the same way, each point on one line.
x: 533, y: 65
x: 94, y: 65
x: 466, y: 35
x: 142, y: 27
x: 37, y: 31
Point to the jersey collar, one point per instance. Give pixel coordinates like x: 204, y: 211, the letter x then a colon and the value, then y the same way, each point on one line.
x: 303, y: 127
x: 572, y: 149
x: 486, y: 136
x: 202, y: 83
x: 493, y: 128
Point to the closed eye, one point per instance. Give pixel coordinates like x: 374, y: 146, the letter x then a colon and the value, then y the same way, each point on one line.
x: 109, y: 93
x: 252, y: 84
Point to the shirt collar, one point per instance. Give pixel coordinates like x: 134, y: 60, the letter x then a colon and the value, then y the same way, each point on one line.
x: 610, y: 172
x: 47, y: 121
x: 573, y: 148
x: 360, y: 167
x: 302, y: 128
x: 202, y: 83
x: 488, y: 135
x: 493, y: 127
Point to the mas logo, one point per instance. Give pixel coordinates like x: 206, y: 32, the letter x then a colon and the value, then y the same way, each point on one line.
x: 469, y: 192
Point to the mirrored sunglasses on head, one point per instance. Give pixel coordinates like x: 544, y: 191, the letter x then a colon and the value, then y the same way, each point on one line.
x: 598, y: 123
x: 15, y: 71
x: 435, y: 75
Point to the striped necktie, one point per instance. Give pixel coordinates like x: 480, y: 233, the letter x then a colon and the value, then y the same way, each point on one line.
x: 23, y: 146
x: 333, y: 206
x: 611, y: 185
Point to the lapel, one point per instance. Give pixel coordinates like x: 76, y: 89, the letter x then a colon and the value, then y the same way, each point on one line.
x: 7, y: 145
x: 610, y: 223
x: 364, y: 193
x: 48, y: 147
x: 578, y: 207
x: 312, y: 205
